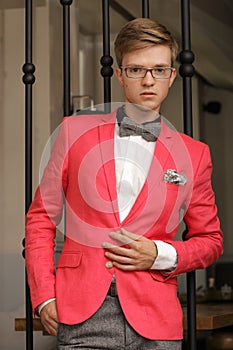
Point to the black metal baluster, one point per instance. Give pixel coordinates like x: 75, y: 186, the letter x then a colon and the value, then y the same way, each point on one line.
x: 106, y: 60
x: 187, y: 71
x: 28, y: 80
x: 186, y: 68
x: 66, y: 55
x: 145, y: 8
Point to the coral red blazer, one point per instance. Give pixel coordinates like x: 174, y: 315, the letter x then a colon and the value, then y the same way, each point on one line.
x: 81, y: 173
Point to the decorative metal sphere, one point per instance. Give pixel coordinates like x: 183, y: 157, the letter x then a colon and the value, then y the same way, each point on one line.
x: 106, y: 60
x: 186, y: 70
x: 29, y: 70
x: 66, y: 2
x: 186, y: 56
x: 106, y: 71
x: 23, y: 244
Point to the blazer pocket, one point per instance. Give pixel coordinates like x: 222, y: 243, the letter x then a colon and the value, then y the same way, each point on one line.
x: 70, y: 259
x: 162, y: 277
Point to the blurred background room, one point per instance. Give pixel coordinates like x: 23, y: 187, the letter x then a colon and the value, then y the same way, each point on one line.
x: 212, y: 97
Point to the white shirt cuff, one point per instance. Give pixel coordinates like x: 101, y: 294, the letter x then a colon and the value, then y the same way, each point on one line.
x: 167, y: 257
x: 40, y: 307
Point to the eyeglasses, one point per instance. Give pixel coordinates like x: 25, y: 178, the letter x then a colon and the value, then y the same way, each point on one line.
x: 140, y: 72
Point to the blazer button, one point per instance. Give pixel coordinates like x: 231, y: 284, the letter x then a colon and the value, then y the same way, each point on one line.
x: 109, y: 265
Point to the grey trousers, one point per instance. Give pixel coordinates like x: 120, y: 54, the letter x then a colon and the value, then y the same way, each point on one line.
x: 108, y: 329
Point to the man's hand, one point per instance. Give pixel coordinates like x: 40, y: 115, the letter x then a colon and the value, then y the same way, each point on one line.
x: 140, y: 255
x: 48, y: 316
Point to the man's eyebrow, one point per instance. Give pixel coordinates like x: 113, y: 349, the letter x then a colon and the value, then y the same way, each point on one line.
x: 142, y: 66
x: 134, y: 65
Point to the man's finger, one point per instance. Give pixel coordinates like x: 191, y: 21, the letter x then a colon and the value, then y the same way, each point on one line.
x: 49, y: 317
x: 124, y: 236
x: 50, y: 329
x: 130, y: 235
x: 50, y: 325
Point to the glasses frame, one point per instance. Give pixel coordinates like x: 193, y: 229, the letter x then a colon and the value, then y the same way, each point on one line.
x: 146, y: 70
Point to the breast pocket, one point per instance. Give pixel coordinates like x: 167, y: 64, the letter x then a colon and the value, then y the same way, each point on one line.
x: 162, y: 277
x: 68, y: 276
x: 70, y: 259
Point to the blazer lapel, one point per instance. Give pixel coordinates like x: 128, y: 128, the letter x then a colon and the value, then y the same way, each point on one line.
x: 164, y: 144
x: 106, y: 144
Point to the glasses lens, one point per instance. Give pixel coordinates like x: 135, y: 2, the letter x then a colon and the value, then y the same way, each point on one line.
x: 161, y: 72
x: 135, y: 72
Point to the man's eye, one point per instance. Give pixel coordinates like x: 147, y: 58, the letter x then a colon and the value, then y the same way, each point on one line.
x: 159, y: 70
x: 135, y: 70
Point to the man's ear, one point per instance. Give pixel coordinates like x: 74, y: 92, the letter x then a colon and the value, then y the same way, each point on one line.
x: 118, y: 73
x: 172, y: 78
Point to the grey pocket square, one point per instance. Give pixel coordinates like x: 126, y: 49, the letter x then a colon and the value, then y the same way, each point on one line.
x: 171, y: 176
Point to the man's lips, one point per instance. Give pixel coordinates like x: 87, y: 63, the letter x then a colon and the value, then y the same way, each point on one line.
x: 148, y: 93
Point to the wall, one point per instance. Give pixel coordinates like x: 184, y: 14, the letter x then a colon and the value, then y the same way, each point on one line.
x: 12, y: 161
x: 216, y: 131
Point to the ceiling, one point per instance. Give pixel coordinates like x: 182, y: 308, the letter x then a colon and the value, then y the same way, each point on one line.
x: 211, y: 30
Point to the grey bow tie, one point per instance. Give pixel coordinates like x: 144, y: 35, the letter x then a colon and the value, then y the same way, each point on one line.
x: 149, y: 131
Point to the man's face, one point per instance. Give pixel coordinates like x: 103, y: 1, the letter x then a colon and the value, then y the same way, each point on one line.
x: 148, y: 92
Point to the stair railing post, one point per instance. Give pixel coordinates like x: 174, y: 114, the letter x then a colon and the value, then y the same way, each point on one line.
x: 187, y: 71
x: 66, y: 56
x: 106, y: 60
x: 28, y: 80
x: 145, y: 9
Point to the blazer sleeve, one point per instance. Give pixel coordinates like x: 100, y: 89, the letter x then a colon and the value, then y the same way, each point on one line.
x: 43, y: 215
x: 204, y: 240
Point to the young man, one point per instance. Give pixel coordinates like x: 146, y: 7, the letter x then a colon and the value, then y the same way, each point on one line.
x: 128, y: 179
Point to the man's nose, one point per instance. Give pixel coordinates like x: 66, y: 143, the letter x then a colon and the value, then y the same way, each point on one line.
x: 148, y: 79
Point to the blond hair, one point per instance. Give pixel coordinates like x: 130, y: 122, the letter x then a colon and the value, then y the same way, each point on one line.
x: 141, y: 33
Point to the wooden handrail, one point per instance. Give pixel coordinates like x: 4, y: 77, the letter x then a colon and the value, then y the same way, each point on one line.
x: 209, y: 317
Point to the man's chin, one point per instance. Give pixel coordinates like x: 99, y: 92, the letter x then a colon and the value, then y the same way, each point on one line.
x: 142, y: 110
x: 144, y: 107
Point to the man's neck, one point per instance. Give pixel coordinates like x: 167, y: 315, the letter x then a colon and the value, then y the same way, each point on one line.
x: 140, y: 114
